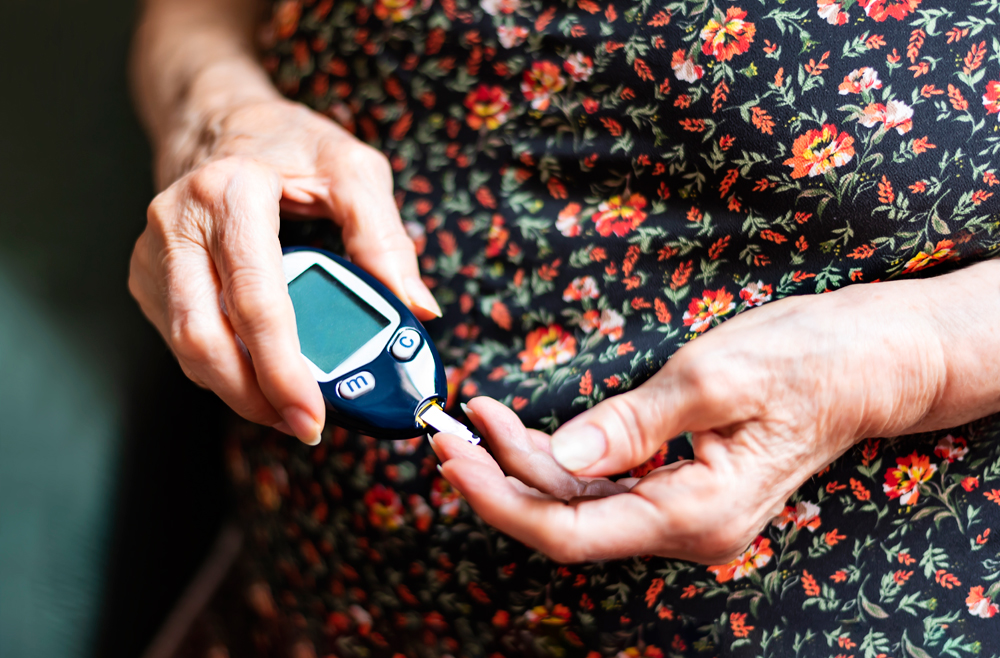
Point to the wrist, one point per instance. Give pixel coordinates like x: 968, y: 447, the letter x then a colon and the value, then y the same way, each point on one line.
x: 197, y: 122
x: 964, y: 307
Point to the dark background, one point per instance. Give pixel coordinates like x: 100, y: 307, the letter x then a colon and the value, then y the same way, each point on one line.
x: 120, y: 427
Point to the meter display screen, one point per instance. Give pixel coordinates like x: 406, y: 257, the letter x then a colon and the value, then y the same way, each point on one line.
x: 333, y: 322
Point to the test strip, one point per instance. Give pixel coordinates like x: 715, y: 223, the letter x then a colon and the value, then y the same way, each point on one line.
x: 435, y: 417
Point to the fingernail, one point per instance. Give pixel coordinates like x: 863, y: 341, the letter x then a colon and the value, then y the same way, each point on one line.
x: 284, y: 428
x: 433, y: 444
x: 420, y: 296
x: 469, y: 413
x: 303, y: 425
x: 578, y: 447
x: 440, y: 470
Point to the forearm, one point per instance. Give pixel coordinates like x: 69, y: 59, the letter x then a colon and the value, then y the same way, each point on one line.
x: 192, y: 60
x: 965, y: 308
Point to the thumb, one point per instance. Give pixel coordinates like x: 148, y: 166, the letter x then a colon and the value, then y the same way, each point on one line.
x: 624, y: 431
x: 373, y: 233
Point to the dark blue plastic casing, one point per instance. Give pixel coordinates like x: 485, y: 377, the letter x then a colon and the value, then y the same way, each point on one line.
x: 401, y: 390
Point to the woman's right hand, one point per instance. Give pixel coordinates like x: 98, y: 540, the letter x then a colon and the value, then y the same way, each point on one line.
x: 207, y: 269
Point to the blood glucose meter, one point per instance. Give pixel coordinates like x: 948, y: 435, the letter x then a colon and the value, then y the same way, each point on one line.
x: 375, y: 363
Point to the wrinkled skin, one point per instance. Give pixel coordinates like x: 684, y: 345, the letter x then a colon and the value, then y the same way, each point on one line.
x: 213, y: 234
x: 770, y: 397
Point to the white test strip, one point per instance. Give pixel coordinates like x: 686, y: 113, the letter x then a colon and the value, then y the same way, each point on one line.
x: 434, y: 416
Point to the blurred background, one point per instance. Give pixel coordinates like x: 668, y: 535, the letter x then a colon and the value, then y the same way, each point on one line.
x: 111, y: 486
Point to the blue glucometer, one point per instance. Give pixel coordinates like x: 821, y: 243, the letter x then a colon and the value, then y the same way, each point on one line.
x: 375, y: 363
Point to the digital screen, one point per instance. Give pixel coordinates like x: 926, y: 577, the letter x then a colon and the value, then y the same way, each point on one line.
x: 333, y: 322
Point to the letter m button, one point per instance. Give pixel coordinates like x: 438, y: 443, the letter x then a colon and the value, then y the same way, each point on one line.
x: 356, y: 385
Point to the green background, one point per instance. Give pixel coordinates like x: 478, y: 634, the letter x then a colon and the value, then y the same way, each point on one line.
x: 110, y: 475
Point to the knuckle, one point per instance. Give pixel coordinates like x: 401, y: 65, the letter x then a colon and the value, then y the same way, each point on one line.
x: 368, y: 159
x: 635, y: 425
x: 706, y: 379
x: 249, y: 298
x: 191, y: 341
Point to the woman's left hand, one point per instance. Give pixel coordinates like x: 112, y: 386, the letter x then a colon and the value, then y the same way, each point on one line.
x: 770, y: 397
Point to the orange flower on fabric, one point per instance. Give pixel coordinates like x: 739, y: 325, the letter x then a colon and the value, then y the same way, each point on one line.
x: 991, y: 99
x: 803, y: 515
x: 726, y: 36
x: 705, y: 310
x: 832, y: 11
x: 385, y: 508
x: 880, y: 10
x: 559, y: 615
x: 752, y: 560
x: 819, y: 150
x: 860, y: 81
x: 540, y: 82
x: 904, y: 480
x: 547, y: 347
x: 488, y: 106
x: 979, y: 604
x: 395, y: 10
x: 620, y: 215
x: 941, y: 252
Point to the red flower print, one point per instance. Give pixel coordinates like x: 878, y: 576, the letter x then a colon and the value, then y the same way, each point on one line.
x: 832, y: 11
x: 820, y: 150
x: 880, y: 10
x: 512, y: 37
x: 894, y: 114
x: 547, y: 347
x: 752, y: 560
x: 726, y: 37
x: 979, y: 604
x: 970, y: 483
x: 705, y: 310
x: 756, y: 294
x: 497, y: 7
x: 541, y: 81
x: 385, y: 509
x: 445, y: 498
x: 395, y: 10
x: 903, y: 481
x: 634, y: 652
x: 684, y: 67
x: 497, y: 237
x: 860, y: 81
x: 488, y: 107
x: 568, y: 222
x: 582, y: 287
x: 991, y: 99
x: 951, y: 448
x: 941, y: 252
x: 422, y: 512
x: 579, y: 67
x: 608, y: 323
x: 803, y: 515
x: 620, y: 215
x: 559, y: 615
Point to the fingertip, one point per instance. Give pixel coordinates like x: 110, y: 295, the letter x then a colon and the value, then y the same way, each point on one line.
x: 578, y: 446
x: 303, y: 424
x: 420, y: 298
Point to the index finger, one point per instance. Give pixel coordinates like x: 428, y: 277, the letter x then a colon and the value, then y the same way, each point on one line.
x: 688, y: 512
x: 247, y: 256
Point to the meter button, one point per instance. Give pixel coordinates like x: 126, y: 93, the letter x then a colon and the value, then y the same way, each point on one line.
x: 356, y: 385
x: 406, y: 344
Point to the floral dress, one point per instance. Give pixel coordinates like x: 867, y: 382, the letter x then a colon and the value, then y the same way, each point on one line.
x: 591, y: 184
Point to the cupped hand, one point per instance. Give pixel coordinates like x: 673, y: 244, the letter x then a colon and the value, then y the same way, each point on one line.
x: 770, y: 398
x: 207, y: 269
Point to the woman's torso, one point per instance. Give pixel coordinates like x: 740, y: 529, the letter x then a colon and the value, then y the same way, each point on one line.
x: 590, y: 186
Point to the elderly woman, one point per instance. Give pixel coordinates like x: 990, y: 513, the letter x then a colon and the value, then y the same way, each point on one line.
x: 626, y: 213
